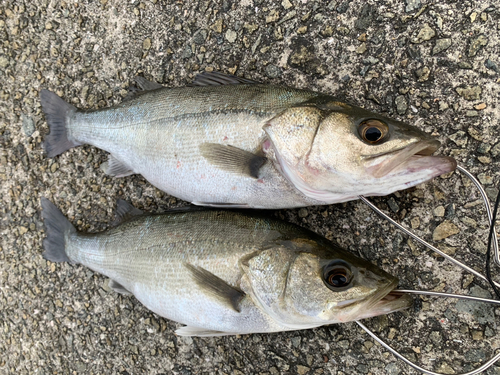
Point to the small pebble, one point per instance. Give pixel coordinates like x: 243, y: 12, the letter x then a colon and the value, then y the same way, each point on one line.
x: 231, y: 36
x: 476, y: 44
x: 470, y: 93
x: 425, y: 33
x: 303, y: 212
x: 444, y: 230
x: 441, y: 45
x: 445, y: 368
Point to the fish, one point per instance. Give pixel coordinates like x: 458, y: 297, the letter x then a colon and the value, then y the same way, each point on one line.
x: 226, y: 272
x: 225, y: 141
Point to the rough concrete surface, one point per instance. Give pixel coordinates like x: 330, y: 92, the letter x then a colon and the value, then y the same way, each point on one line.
x: 432, y: 64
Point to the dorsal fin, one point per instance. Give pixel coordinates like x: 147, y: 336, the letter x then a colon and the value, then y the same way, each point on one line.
x: 125, y: 211
x: 146, y: 85
x: 218, y: 79
x: 143, y: 86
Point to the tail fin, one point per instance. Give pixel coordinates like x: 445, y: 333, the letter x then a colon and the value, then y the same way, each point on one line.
x: 57, y: 227
x: 56, y: 112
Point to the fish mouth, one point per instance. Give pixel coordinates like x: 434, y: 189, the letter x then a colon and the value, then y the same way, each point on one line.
x: 385, y: 302
x: 415, y: 158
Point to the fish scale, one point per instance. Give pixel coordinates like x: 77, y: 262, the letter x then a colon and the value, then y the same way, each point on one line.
x: 248, y: 145
x: 147, y: 257
x: 153, y: 134
x: 223, y: 272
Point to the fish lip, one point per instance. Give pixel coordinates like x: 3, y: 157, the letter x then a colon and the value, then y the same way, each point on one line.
x: 391, y: 302
x: 385, y: 301
x: 401, y: 156
x: 369, y: 301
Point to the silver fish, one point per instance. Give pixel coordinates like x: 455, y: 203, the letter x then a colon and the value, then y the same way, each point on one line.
x: 225, y: 273
x: 227, y: 141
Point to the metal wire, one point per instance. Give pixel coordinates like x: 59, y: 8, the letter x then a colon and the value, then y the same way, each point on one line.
x: 438, y: 294
x: 488, y: 210
x: 423, y: 242
x: 448, y: 295
x: 418, y: 368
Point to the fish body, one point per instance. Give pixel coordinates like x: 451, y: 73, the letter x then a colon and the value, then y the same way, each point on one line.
x: 244, y: 144
x: 223, y: 273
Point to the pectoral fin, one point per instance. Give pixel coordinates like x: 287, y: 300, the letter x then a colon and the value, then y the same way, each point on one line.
x: 215, y: 286
x: 232, y: 159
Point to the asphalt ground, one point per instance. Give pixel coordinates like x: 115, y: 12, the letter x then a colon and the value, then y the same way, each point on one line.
x: 432, y: 64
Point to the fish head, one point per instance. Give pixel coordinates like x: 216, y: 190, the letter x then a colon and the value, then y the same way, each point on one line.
x: 306, y: 289
x: 334, y: 152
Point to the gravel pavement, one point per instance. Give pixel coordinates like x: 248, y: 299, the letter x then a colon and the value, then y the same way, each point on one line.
x: 433, y: 64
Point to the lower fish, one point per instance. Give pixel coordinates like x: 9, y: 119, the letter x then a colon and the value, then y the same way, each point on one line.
x: 225, y: 141
x: 226, y: 273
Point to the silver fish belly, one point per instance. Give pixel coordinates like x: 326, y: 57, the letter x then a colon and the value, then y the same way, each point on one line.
x: 158, y: 135
x: 249, y: 145
x: 223, y: 273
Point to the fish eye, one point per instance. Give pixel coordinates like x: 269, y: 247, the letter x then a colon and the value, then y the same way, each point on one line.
x: 373, y: 131
x: 337, y: 275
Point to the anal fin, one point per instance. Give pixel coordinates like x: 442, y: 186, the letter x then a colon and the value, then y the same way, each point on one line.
x: 125, y: 211
x: 215, y: 286
x: 222, y: 205
x: 233, y: 159
x: 118, y: 288
x: 116, y: 168
x: 200, y: 332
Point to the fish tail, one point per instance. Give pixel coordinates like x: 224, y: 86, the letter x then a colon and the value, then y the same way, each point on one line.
x: 57, y: 227
x: 57, y: 112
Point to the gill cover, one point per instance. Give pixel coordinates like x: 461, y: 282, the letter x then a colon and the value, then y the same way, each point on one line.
x: 308, y: 144
x: 292, y: 134
x: 267, y: 278
x: 290, y: 286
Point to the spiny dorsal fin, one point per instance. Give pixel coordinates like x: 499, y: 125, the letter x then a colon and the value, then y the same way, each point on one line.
x: 125, y: 211
x: 215, y: 286
x: 118, y: 288
x: 218, y: 79
x: 232, y: 159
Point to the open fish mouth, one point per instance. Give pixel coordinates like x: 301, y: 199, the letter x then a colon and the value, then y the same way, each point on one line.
x: 386, y: 300
x: 416, y: 158
x: 390, y: 302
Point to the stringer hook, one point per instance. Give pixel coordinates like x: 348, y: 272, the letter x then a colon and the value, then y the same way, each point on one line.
x: 492, y: 238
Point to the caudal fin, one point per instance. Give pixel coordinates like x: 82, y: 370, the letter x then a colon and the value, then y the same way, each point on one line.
x: 57, y: 112
x: 57, y: 227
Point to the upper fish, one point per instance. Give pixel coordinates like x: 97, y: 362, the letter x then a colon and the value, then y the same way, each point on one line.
x: 226, y: 141
x: 224, y: 272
